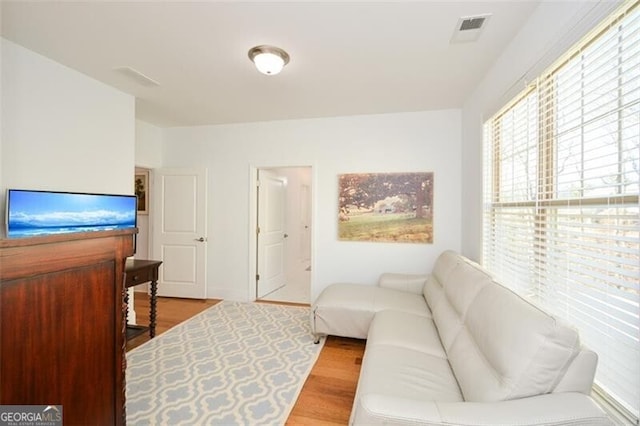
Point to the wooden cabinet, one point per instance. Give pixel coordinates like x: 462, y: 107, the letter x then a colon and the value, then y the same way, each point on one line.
x: 62, y: 324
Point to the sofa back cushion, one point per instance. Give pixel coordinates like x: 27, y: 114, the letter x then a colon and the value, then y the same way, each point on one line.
x: 500, y: 347
x: 445, y: 264
x: 449, y: 303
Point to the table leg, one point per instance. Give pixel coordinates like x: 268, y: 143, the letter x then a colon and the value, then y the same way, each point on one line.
x: 152, y: 313
x: 126, y: 304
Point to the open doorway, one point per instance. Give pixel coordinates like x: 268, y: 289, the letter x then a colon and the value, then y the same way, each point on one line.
x: 283, y: 234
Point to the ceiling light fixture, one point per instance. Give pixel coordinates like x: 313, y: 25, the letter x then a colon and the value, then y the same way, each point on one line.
x: 268, y: 59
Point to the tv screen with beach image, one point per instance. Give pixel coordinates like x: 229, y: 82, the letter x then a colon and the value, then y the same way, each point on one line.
x: 34, y: 213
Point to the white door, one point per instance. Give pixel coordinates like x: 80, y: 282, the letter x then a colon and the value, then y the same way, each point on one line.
x: 179, y: 231
x: 271, y: 232
x: 305, y: 219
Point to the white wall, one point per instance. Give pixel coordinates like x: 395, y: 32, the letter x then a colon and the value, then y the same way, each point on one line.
x: 148, y: 148
x: 62, y: 130
x: 423, y: 141
x: 148, y: 155
x: 551, y: 30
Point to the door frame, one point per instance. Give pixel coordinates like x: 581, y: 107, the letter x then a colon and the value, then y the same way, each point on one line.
x: 253, y: 225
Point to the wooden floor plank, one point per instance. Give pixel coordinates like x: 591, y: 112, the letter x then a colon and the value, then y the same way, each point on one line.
x: 328, y: 393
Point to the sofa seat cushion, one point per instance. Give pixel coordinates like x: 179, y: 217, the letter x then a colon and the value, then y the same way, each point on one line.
x: 347, y: 309
x: 406, y: 373
x: 406, y: 330
x: 565, y: 409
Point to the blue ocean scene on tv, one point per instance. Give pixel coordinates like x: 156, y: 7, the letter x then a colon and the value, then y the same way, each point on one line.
x: 32, y: 213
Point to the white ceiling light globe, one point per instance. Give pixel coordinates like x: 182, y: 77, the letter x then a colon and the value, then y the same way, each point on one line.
x: 269, y: 63
x: 268, y: 60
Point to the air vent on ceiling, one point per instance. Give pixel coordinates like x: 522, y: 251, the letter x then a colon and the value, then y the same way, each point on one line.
x: 469, y: 28
x: 137, y: 76
x: 471, y: 24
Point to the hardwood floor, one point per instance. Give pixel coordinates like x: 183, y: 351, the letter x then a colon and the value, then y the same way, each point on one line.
x: 328, y: 393
x: 170, y: 312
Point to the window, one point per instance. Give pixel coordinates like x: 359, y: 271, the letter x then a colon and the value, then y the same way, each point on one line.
x: 561, y: 205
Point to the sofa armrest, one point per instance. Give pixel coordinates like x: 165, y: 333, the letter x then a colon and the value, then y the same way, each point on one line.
x: 403, y: 282
x: 556, y: 409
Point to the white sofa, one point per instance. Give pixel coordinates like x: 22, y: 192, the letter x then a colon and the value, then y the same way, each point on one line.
x: 457, y: 348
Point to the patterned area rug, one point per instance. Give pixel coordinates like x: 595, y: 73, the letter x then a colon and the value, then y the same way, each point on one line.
x: 233, y: 364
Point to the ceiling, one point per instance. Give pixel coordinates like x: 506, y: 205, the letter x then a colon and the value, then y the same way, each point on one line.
x: 347, y: 58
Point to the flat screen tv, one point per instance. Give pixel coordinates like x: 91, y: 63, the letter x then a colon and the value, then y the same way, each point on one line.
x: 34, y: 213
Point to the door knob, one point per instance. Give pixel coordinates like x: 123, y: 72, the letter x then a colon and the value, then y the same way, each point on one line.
x: 286, y: 235
x: 201, y: 239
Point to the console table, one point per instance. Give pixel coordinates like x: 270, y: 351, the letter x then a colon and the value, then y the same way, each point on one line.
x: 138, y: 272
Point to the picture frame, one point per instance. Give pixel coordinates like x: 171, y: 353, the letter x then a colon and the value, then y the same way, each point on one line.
x: 386, y: 207
x: 141, y: 185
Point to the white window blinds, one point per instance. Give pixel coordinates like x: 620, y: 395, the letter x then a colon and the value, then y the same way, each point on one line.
x: 561, y: 209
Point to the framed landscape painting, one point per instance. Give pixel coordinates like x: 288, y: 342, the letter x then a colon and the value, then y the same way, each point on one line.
x: 386, y: 207
x: 141, y: 185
